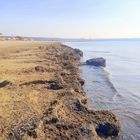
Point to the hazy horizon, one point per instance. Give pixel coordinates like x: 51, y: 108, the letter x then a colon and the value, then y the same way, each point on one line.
x: 90, y: 19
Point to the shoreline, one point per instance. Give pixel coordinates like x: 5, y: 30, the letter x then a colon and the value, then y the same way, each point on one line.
x: 57, y: 105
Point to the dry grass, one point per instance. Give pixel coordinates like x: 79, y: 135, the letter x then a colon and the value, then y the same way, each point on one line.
x: 17, y: 61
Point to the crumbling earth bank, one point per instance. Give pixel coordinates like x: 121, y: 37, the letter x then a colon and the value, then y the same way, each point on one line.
x: 48, y: 101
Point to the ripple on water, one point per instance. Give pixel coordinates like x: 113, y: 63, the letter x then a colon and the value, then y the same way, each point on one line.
x: 103, y: 95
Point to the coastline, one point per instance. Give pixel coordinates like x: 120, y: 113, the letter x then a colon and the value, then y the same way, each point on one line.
x: 51, y: 102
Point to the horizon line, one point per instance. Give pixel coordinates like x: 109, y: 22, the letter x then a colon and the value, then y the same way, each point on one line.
x: 75, y: 38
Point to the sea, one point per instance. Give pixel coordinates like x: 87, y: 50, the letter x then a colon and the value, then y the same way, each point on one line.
x: 117, y: 86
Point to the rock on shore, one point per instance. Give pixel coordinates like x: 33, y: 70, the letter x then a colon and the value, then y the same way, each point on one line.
x: 48, y: 100
x: 100, y: 61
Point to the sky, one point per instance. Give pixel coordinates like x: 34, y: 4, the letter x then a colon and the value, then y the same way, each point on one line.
x: 71, y: 18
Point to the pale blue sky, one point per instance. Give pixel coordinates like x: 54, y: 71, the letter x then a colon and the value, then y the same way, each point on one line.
x: 71, y: 18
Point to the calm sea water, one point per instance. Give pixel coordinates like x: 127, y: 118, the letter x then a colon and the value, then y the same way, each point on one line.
x: 117, y: 87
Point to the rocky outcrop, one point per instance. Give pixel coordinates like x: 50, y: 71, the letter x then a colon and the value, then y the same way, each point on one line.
x: 77, y: 51
x: 107, y: 130
x: 97, y: 62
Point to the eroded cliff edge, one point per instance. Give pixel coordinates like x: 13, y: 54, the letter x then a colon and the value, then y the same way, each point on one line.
x: 50, y: 102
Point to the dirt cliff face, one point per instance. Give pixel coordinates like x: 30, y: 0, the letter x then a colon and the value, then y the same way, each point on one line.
x: 42, y: 96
